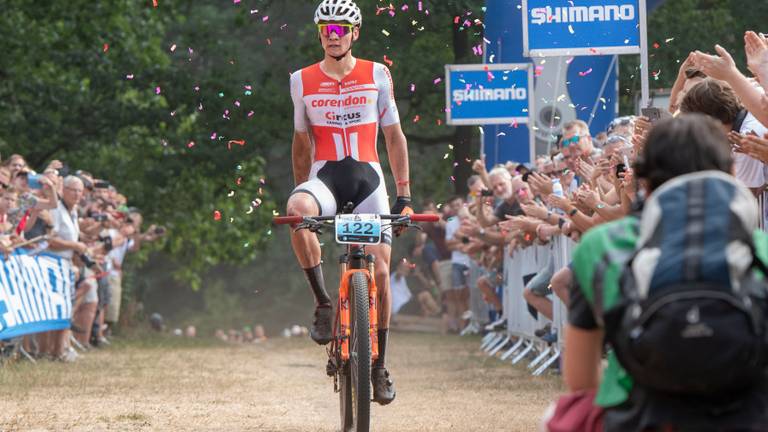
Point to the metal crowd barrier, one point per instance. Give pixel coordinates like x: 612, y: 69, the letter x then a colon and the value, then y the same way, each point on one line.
x: 519, y: 342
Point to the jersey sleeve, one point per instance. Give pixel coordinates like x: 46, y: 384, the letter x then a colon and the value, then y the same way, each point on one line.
x: 388, y: 114
x: 299, y: 107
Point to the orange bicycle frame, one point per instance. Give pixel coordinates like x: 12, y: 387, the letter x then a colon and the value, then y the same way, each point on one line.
x: 344, y: 315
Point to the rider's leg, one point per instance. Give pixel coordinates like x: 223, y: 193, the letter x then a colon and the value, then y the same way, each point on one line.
x: 383, y: 387
x: 306, y: 246
x: 382, y: 252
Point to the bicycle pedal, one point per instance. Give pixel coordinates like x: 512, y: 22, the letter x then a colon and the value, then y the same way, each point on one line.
x: 330, y: 368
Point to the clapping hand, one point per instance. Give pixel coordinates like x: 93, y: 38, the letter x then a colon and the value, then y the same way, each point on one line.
x: 721, y: 66
x: 756, y: 47
x: 750, y: 145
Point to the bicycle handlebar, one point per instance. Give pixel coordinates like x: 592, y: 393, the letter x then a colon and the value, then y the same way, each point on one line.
x: 291, y: 220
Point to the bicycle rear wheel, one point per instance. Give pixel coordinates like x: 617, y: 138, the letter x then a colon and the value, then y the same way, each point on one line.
x: 355, y: 395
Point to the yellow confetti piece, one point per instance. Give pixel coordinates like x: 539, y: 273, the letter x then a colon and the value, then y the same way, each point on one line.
x: 446, y: 156
x: 450, y: 146
x: 386, y: 33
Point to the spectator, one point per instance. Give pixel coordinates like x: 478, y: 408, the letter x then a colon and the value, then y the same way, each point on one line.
x: 674, y: 147
x: 718, y: 100
x: 457, y: 294
x: 65, y: 244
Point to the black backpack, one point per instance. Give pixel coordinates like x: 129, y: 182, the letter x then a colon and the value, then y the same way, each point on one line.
x: 692, y: 319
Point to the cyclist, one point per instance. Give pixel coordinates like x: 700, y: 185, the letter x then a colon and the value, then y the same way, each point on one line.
x: 339, y: 104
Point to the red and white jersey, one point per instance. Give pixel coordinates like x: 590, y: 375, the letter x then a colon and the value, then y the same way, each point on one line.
x: 344, y: 116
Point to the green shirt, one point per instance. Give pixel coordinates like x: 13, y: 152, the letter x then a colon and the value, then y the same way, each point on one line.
x: 598, y: 262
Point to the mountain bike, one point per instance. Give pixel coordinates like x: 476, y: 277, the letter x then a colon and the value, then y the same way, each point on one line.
x: 355, y: 345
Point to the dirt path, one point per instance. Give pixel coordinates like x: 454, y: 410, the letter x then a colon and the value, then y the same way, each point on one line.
x: 443, y: 382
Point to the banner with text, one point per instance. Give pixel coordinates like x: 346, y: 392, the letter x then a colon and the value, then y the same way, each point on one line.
x: 35, y: 294
x: 481, y: 94
x: 591, y: 27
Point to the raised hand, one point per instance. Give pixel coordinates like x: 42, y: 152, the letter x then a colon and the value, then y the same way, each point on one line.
x: 756, y: 47
x: 721, y: 66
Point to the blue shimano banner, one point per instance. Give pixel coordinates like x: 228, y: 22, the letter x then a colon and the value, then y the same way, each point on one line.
x: 35, y: 294
x: 480, y: 94
x: 582, y: 27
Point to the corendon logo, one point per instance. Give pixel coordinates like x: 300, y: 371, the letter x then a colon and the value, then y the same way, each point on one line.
x: 577, y: 14
x: 335, y: 103
x: 342, y: 117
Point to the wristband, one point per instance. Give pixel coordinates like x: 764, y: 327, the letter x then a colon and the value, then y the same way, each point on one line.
x: 573, y: 212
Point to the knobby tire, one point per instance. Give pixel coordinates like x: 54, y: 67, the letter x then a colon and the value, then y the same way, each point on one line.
x: 355, y: 395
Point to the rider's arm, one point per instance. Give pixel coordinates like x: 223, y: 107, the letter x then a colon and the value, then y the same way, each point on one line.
x: 301, y: 149
x: 397, y: 146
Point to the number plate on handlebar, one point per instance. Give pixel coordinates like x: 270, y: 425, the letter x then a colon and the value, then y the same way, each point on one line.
x: 358, y: 229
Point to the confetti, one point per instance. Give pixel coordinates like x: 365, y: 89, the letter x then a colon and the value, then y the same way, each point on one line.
x: 586, y: 72
x: 656, y: 45
x: 416, y: 119
x: 388, y: 61
x: 190, y: 144
x: 385, y: 32
x: 173, y: 47
x: 413, y: 87
x: 157, y: 90
x: 105, y: 48
x: 669, y: 40
x: 236, y: 1
x: 570, y: 29
x: 154, y: 3
x: 437, y: 81
x: 216, y: 215
x: 129, y: 76
x: 265, y: 19
x: 241, y: 143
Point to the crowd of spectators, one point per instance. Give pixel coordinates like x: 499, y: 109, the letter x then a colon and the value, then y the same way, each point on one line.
x: 81, y: 219
x: 716, y: 121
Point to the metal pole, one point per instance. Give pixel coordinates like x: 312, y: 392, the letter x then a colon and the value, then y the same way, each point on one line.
x: 644, y: 79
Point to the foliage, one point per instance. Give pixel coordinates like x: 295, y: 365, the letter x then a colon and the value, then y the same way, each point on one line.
x: 681, y: 26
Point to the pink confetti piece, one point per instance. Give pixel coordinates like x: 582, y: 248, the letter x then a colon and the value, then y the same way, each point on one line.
x: 105, y: 48
x: 173, y: 47
x: 241, y: 143
x: 453, y: 179
x: 388, y: 61
x: 250, y: 114
x: 586, y: 72
x: 190, y: 144
x: 157, y: 90
x: 237, y: 103
x: 413, y: 87
x: 154, y: 3
x: 216, y: 215
x: 129, y: 76
x: 421, y: 6
x: 213, y: 136
x: 416, y: 119
x: 437, y: 81
x: 404, y: 8
x: 265, y: 18
x: 197, y: 88
x: 236, y: 1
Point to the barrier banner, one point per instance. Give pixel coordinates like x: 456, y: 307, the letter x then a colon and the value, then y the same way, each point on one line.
x: 35, y: 294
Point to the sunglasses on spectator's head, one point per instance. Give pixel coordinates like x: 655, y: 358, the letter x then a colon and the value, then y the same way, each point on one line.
x: 557, y: 173
x: 341, y: 30
x: 613, y: 139
x: 571, y: 141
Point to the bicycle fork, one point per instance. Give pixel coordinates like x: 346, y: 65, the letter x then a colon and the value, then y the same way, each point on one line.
x: 343, y: 310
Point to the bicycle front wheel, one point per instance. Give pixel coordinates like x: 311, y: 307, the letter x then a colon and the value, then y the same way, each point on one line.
x: 355, y: 392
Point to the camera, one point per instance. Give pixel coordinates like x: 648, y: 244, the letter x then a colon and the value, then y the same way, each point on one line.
x: 159, y: 230
x: 99, y: 217
x: 465, y: 240
x: 620, y: 168
x: 486, y: 193
x: 87, y: 260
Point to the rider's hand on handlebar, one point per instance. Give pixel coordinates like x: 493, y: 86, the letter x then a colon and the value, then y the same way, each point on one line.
x: 402, y: 207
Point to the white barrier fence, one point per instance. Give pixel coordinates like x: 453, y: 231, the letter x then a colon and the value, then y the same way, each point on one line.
x: 519, y: 342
